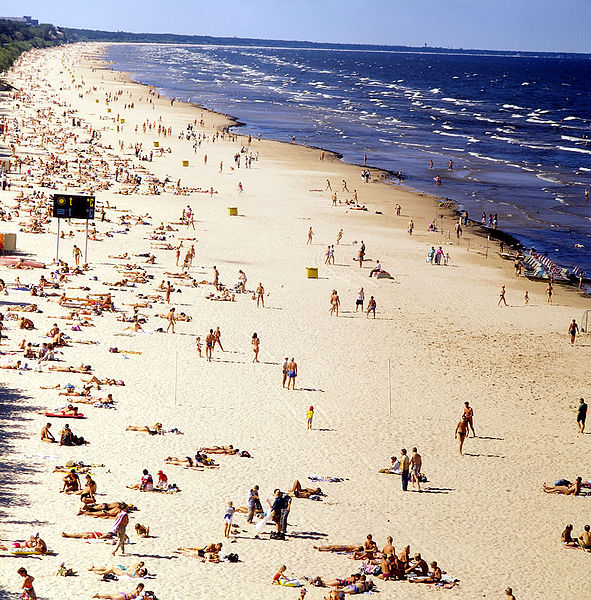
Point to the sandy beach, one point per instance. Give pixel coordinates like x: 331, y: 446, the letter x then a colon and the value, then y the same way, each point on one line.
x: 483, y: 516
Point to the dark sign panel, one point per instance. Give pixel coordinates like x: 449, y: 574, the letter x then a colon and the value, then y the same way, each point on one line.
x: 73, y: 206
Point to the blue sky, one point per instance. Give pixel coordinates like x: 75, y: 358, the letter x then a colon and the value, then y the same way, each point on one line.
x: 542, y: 25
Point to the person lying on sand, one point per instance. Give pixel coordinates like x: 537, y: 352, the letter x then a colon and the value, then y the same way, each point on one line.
x: 145, y: 429
x: 299, y: 492
x: 121, y: 595
x: 34, y: 543
x: 80, y: 369
x: 573, y: 489
x: 137, y: 570
x: 435, y: 576
x: 16, y: 366
x: 89, y: 535
x: 324, y: 582
x: 221, y: 450
x: 94, y: 380
x: 339, y: 548
x: 210, y: 553
x: 200, y: 460
x: 105, y: 510
x: 361, y: 586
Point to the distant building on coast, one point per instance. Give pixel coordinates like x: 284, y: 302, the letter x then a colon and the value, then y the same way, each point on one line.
x: 26, y: 19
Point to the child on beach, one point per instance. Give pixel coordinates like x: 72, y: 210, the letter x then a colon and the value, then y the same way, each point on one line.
x: 310, y: 416
x: 228, y: 516
x: 198, y: 344
x: 27, y: 587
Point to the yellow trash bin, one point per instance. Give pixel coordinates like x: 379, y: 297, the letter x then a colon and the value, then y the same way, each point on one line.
x: 122, y: 120
x: 185, y: 163
x: 156, y: 144
x: 108, y: 110
x: 233, y: 211
x: 312, y: 272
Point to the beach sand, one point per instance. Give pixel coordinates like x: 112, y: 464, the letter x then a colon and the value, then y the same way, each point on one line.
x: 483, y: 517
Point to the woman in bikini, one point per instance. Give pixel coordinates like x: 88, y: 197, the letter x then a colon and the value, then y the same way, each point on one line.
x: 135, y: 571
x: 255, y: 346
x: 121, y: 595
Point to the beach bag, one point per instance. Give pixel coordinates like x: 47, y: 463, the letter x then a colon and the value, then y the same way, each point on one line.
x: 233, y: 557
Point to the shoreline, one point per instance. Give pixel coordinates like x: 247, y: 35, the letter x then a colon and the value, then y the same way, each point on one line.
x: 387, y: 175
x: 438, y: 329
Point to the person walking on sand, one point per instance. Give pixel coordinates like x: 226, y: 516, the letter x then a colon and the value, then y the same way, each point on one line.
x: 469, y: 414
x: 77, y: 254
x: 573, y: 329
x: 327, y: 255
x: 502, y: 297
x: 526, y: 298
x: 260, y: 295
x: 345, y: 188
x: 462, y: 431
x: 255, y: 347
x: 309, y: 417
x: 404, y: 468
x: 228, y: 516
x: 310, y: 236
x: 209, y: 340
x: 411, y: 226
x: 216, y: 278
x: 27, y: 587
x: 168, y: 290
x: 328, y: 186
x: 371, y: 307
x: 118, y: 529
x: 339, y: 237
x: 171, y: 320
x: 360, y: 300
x: 335, y: 301
x: 582, y: 415
x: 292, y: 373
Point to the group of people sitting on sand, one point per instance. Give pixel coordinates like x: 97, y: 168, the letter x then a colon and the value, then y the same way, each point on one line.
x: 391, y: 565
x: 583, y: 541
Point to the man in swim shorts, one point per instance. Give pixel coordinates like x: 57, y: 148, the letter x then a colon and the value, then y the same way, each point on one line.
x: 582, y: 415
x: 292, y: 373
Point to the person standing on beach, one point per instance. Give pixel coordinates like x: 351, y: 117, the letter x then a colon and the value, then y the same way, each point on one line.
x: 168, y: 290
x: 509, y: 594
x: 371, y: 307
x: 217, y: 339
x: 171, y: 320
x: 339, y: 236
x: 27, y: 587
x: 309, y: 417
x: 284, y: 370
x: 260, y: 295
x: 228, y: 516
x: 255, y: 346
x: 404, y: 468
x: 469, y: 414
x: 209, y: 345
x: 462, y: 431
x: 327, y: 254
x: 573, y: 329
x: 292, y: 373
x: 252, y: 502
x: 416, y: 462
x: 411, y: 226
x: 582, y: 415
x: 118, y: 529
x: 335, y: 301
x: 77, y: 254
x: 216, y: 278
x: 310, y: 235
x: 502, y: 297
x: 549, y: 292
x: 526, y: 297
x: 360, y: 300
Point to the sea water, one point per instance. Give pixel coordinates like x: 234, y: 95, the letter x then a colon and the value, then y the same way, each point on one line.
x: 514, y: 126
